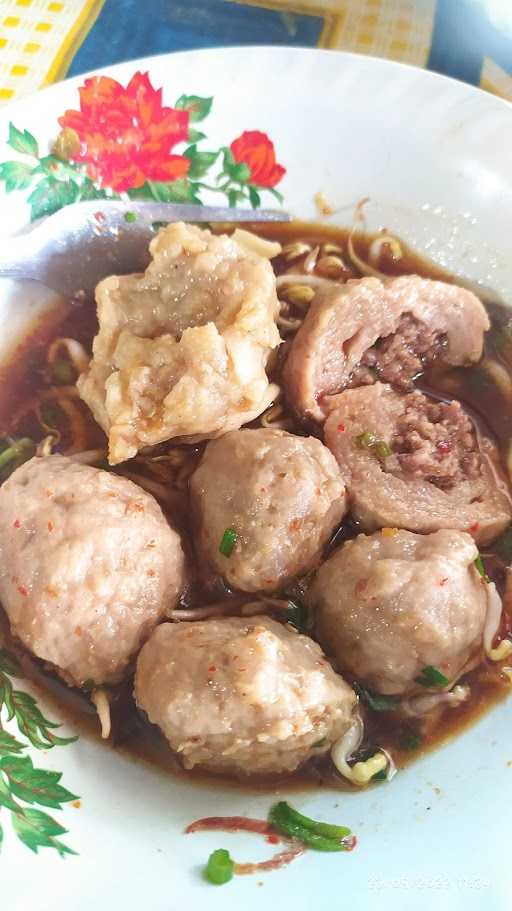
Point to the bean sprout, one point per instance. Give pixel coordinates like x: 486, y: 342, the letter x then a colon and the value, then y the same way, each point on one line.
x: 273, y: 418
x: 289, y: 324
x: 384, y: 240
x: 359, y: 263
x: 422, y: 705
x: 74, y: 350
x: 51, y: 431
x: 295, y: 250
x: 361, y: 773
x: 391, y: 769
x: 300, y: 296
x: 100, y: 699
x: 332, y: 267
x: 364, y: 267
x: 502, y: 651
x: 310, y: 261
x: 45, y: 447
x: 297, y: 278
x: 323, y: 205
x: 79, y: 433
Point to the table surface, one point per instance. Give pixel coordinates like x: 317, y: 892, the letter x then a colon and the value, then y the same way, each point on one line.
x: 43, y: 41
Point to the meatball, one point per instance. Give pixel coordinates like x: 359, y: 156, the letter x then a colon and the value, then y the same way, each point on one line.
x: 411, y: 462
x: 181, y: 350
x: 389, y: 605
x: 283, y: 496
x: 88, y: 566
x: 365, y: 330
x: 241, y: 695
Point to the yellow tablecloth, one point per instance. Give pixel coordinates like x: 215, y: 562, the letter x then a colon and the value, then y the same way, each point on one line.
x: 41, y: 39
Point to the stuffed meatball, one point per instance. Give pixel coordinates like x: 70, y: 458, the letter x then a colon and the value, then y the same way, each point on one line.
x: 411, y: 462
x: 369, y: 330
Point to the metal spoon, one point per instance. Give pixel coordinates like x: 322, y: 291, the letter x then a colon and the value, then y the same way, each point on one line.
x: 81, y: 244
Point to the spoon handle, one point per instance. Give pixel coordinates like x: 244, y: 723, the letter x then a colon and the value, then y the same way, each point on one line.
x: 82, y: 243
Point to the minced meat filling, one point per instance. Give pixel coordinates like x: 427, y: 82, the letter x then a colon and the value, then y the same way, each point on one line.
x: 434, y: 441
x: 399, y: 357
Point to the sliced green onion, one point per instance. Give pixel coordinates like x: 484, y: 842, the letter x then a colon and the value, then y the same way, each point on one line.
x: 220, y: 867
x: 321, y: 828
x: 156, y: 225
x: 319, y: 835
x: 18, y: 451
x: 63, y: 372
x: 376, y: 701
x: 479, y: 565
x: 369, y: 440
x: 380, y: 776
x: 130, y: 217
x: 228, y: 541
x: 382, y: 449
x: 366, y: 440
x: 431, y: 676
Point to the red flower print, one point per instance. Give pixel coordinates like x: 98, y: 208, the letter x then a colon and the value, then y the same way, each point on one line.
x: 125, y: 134
x: 257, y: 151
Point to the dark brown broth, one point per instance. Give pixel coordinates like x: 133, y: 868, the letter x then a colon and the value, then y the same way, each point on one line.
x: 21, y: 379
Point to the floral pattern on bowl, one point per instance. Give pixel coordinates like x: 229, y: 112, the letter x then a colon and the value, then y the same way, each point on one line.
x: 24, y: 788
x: 121, y: 143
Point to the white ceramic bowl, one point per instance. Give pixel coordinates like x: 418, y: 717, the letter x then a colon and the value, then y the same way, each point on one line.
x: 434, y: 157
